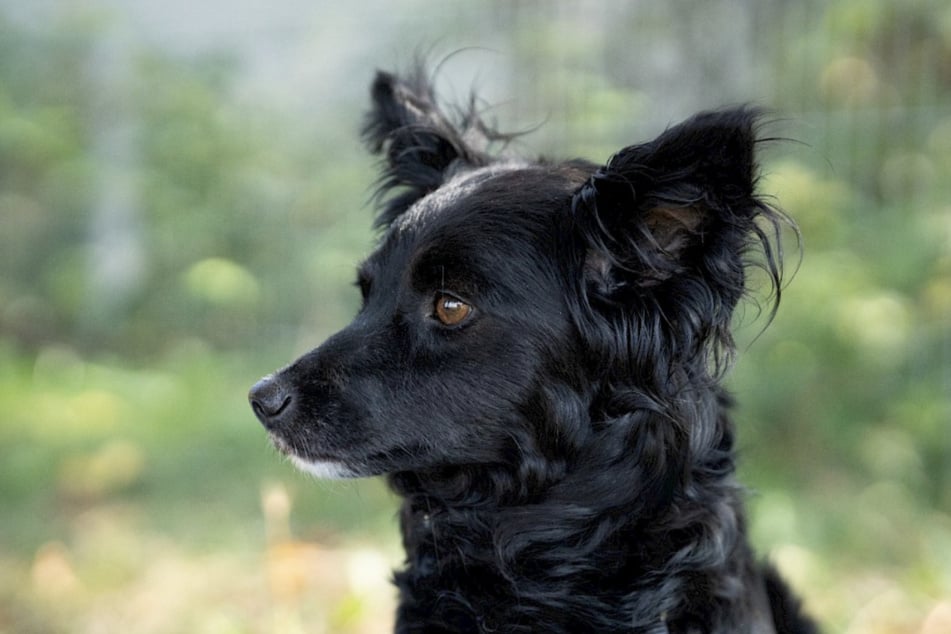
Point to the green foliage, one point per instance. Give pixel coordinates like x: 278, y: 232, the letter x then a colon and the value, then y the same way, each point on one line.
x: 139, y: 205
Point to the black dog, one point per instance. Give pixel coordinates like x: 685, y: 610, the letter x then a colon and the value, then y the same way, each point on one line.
x: 536, y: 368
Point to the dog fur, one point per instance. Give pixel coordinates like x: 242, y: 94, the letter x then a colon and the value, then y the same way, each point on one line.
x: 536, y: 369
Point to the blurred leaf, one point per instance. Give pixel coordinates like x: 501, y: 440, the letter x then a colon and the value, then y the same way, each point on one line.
x: 222, y: 281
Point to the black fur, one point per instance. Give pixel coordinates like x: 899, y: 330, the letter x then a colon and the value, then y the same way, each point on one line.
x: 564, y: 451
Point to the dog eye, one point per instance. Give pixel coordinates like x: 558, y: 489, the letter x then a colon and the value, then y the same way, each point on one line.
x: 451, y: 311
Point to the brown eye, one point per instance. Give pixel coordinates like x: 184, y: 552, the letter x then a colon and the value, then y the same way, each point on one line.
x: 451, y: 311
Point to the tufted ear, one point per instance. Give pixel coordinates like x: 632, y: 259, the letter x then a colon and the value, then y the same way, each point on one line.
x: 679, y: 209
x: 420, y: 144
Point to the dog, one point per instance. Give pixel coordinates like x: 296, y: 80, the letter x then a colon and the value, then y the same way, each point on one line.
x: 536, y: 369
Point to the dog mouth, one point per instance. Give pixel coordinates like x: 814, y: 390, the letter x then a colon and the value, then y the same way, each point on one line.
x: 324, y: 466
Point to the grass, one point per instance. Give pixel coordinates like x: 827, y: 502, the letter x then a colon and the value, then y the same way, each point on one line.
x: 148, y: 500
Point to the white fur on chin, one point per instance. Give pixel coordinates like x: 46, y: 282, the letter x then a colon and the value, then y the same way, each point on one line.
x: 326, y: 469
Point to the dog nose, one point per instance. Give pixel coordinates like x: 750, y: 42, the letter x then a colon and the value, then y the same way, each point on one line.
x: 269, y: 400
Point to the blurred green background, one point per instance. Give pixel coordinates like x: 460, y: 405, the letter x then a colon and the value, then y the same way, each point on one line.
x: 183, y: 197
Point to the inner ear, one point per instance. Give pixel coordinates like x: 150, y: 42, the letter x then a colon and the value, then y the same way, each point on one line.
x: 598, y: 275
x: 653, y: 249
x: 673, y: 228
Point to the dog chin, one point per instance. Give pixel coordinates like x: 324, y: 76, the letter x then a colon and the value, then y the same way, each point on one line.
x: 319, y: 467
x: 324, y: 469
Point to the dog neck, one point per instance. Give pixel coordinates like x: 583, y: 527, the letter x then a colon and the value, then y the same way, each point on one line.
x: 578, y: 552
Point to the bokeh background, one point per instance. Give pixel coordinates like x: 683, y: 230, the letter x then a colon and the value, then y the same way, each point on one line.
x: 182, y: 199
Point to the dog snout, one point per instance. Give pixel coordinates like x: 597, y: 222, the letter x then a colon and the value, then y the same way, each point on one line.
x: 270, y: 401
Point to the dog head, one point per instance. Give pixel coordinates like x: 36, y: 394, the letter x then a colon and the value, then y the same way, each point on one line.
x: 512, y: 308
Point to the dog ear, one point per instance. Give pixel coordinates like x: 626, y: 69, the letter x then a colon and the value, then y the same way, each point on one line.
x: 419, y: 143
x: 678, y: 207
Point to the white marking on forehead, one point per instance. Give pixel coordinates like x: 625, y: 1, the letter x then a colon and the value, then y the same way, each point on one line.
x: 456, y: 188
